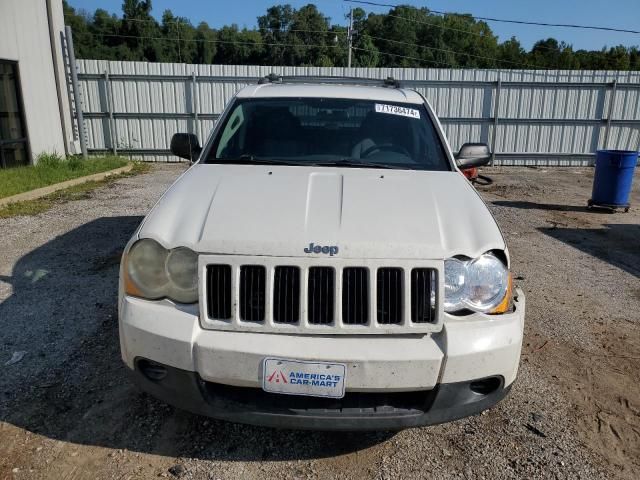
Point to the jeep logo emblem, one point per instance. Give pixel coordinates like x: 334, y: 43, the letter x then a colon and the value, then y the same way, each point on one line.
x: 326, y: 249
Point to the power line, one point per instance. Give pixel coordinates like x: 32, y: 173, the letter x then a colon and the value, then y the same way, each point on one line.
x: 304, y: 45
x: 446, y: 27
x: 234, y: 42
x: 461, y: 30
x: 407, y: 57
x: 269, y: 44
x: 349, y: 34
x: 185, y: 23
x: 444, y: 50
x: 446, y: 64
x: 504, y: 20
x: 194, y: 40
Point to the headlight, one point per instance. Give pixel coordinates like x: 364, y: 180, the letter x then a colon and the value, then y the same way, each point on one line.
x: 455, y: 275
x: 153, y: 272
x: 182, y: 269
x: 481, y: 284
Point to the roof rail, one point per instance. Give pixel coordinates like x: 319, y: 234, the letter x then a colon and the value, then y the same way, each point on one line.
x: 271, y: 78
x: 391, y: 82
x: 388, y: 82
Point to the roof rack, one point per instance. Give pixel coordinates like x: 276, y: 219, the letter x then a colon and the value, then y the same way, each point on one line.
x: 271, y: 78
x: 388, y: 82
x: 391, y: 82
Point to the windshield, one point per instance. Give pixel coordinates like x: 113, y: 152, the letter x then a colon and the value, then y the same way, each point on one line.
x: 328, y: 131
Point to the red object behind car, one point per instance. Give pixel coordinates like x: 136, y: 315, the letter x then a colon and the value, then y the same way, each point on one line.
x: 470, y: 173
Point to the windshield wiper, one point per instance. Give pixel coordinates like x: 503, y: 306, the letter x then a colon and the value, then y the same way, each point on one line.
x: 351, y: 162
x: 247, y: 159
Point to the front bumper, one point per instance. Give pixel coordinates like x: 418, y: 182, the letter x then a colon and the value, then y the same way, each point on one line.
x: 203, y: 366
x: 356, y: 411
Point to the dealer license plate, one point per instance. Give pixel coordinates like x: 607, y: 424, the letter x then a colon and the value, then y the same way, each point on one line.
x: 297, y: 377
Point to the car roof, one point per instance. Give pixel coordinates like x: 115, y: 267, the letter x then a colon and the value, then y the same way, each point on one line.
x: 311, y: 90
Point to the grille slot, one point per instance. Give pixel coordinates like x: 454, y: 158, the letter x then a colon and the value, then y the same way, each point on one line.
x: 355, y: 296
x: 219, y: 291
x: 423, y: 295
x: 389, y: 293
x: 252, y: 293
x: 321, y: 293
x: 286, y: 295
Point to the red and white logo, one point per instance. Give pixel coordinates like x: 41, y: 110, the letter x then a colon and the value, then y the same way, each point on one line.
x: 277, y: 377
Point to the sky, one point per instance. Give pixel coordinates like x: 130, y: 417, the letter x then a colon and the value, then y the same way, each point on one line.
x: 614, y: 13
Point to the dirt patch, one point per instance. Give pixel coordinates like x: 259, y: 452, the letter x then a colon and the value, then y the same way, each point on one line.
x: 597, y: 272
x: 67, y: 409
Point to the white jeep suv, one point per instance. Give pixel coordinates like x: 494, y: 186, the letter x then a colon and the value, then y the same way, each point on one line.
x: 323, y: 264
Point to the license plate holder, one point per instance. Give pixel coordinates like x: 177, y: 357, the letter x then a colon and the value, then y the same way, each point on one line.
x: 298, y: 377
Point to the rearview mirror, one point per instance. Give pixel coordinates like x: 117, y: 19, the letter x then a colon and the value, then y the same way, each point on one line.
x: 186, y: 145
x: 473, y: 155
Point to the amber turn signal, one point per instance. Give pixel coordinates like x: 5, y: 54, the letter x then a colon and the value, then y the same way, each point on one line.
x: 505, y: 305
x: 129, y: 287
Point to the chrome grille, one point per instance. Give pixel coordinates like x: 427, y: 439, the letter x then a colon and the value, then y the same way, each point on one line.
x: 315, y: 296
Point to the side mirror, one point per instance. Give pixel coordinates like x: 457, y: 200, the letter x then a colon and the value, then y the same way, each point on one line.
x: 185, y: 145
x: 473, y: 155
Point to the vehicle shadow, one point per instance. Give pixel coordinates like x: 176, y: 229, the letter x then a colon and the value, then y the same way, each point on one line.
x: 72, y: 384
x: 616, y: 244
x: 545, y: 206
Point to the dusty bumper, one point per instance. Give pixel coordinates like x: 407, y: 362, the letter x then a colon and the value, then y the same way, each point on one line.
x: 207, y: 370
x: 357, y: 411
x: 468, y: 348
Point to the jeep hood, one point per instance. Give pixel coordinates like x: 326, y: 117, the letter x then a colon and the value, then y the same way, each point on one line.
x: 280, y: 210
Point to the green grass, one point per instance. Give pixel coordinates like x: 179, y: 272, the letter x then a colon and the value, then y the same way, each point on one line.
x: 77, y: 192
x: 50, y: 169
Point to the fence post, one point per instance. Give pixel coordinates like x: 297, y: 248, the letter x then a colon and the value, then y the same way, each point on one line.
x: 112, y: 126
x: 612, y: 101
x: 194, y: 102
x: 76, y: 90
x: 495, y: 121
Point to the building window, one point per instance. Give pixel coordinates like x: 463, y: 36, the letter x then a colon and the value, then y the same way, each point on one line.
x: 13, y: 132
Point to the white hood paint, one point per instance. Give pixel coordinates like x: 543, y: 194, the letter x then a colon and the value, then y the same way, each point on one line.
x: 280, y: 210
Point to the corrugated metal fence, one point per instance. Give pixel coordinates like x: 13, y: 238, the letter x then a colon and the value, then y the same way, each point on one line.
x: 530, y: 117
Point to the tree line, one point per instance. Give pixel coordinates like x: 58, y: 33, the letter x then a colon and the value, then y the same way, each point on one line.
x: 405, y: 36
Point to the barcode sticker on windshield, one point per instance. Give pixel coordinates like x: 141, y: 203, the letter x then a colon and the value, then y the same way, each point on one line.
x: 397, y: 110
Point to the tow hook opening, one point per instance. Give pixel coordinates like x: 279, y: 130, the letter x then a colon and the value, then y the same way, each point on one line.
x: 486, y: 385
x: 152, y: 370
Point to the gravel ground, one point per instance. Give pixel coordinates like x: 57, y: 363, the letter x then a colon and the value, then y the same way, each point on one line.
x: 67, y: 409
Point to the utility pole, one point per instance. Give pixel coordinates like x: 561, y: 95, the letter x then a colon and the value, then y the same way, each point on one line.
x: 350, y: 35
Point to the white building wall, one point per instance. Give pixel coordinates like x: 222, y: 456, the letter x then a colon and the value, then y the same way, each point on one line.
x: 24, y: 37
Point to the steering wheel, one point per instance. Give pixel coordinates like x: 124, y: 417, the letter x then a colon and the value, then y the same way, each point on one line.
x: 385, y: 147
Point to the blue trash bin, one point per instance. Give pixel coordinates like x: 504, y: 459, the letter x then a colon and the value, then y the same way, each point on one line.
x: 613, y: 177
